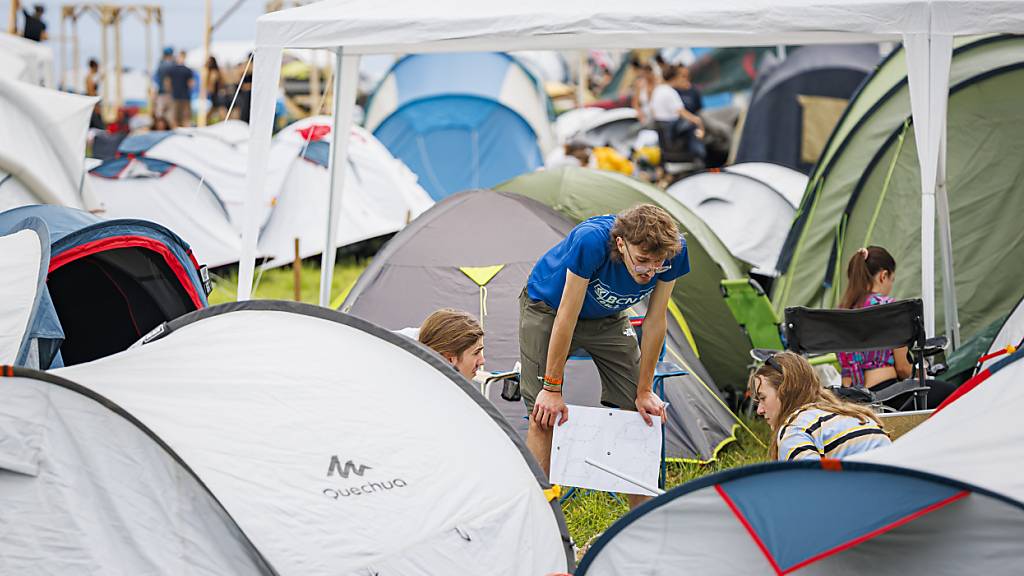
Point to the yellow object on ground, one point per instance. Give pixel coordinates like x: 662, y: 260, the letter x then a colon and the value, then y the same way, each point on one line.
x: 608, y: 159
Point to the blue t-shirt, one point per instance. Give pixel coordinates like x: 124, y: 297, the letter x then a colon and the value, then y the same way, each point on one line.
x: 585, y: 252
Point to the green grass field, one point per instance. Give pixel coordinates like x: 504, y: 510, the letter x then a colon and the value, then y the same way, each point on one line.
x: 586, y: 515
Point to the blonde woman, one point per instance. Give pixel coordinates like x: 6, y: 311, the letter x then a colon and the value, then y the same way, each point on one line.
x: 808, y: 422
x: 457, y: 337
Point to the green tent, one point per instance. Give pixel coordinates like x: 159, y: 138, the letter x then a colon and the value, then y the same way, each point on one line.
x: 866, y: 188
x: 580, y: 193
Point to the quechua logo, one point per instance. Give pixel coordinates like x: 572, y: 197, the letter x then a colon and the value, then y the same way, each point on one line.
x: 336, y: 467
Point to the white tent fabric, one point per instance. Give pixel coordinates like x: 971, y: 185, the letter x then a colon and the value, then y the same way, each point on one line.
x: 226, y: 52
x: 21, y: 262
x: 744, y: 208
x: 176, y: 200
x: 44, y: 146
x: 1011, y: 333
x: 328, y: 464
x: 14, y: 68
x: 382, y: 196
x: 217, y: 154
x: 790, y: 183
x: 546, y: 65
x: 359, y: 27
x: 36, y: 56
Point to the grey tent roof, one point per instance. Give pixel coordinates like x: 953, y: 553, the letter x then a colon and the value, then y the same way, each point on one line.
x: 422, y: 269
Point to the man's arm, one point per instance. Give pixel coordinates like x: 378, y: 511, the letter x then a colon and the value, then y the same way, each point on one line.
x: 550, y: 408
x: 655, y: 325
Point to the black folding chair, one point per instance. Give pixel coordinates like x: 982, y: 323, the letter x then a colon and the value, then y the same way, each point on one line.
x: 894, y: 325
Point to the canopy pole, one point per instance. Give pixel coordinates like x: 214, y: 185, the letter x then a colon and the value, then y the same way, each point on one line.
x: 346, y: 78
x: 952, y: 316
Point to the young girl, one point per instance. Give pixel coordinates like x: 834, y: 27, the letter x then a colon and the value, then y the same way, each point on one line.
x: 457, y: 337
x: 870, y: 277
x: 808, y: 422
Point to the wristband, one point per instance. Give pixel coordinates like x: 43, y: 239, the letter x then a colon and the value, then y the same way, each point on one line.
x: 552, y: 380
x: 552, y: 388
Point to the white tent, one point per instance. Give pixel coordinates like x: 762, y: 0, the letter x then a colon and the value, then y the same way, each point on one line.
x: 42, y: 150
x: 259, y: 458
x: 748, y: 206
x: 356, y: 27
x: 383, y: 194
x: 36, y: 57
x: 24, y: 259
x: 945, y: 498
x: 172, y: 196
x: 1010, y: 334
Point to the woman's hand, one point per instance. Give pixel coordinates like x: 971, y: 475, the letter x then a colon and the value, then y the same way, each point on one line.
x: 549, y: 409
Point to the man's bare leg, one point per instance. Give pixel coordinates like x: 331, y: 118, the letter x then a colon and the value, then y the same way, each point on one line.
x: 538, y: 440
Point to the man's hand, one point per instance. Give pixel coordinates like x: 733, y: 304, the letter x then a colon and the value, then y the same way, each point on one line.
x: 648, y: 404
x: 549, y: 409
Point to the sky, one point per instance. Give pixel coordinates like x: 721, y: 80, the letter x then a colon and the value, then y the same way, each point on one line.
x: 183, y: 27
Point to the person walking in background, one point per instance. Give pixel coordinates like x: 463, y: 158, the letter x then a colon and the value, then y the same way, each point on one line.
x: 180, y: 78
x: 215, y: 89
x: 164, y: 102
x: 92, y: 78
x: 35, y: 28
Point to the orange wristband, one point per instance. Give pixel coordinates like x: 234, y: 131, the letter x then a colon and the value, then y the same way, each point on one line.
x: 552, y: 380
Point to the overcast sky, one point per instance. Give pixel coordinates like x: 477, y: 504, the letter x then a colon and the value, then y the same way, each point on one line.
x: 183, y: 27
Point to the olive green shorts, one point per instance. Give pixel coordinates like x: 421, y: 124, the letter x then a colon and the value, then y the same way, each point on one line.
x: 610, y: 342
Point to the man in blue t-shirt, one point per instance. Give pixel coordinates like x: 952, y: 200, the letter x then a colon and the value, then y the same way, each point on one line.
x: 577, y: 297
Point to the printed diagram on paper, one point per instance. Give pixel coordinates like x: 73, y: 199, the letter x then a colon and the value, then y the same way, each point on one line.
x: 617, y: 439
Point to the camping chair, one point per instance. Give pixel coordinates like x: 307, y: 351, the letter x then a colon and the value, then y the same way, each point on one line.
x: 676, y: 157
x: 901, y: 323
x: 754, y: 313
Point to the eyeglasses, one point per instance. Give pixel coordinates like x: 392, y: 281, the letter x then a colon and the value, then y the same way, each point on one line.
x: 770, y: 360
x: 645, y: 269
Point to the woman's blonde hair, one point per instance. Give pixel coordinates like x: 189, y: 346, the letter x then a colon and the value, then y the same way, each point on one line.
x: 798, y: 389
x: 450, y: 332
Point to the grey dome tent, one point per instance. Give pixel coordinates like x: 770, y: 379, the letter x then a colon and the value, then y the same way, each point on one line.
x: 474, y: 251
x: 267, y: 438
x: 865, y: 190
x: 795, y: 103
x: 946, y: 498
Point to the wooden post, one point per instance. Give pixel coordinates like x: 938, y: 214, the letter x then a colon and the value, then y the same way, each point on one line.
x: 105, y: 66
x: 314, y: 83
x: 150, y: 94
x: 204, y: 109
x: 63, y: 50
x: 115, y: 15
x: 297, y: 272
x: 12, y: 20
x: 75, y: 60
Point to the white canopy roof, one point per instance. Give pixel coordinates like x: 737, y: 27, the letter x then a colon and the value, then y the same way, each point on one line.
x: 362, y: 27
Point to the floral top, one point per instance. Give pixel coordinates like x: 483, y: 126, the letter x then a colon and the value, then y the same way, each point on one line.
x: 856, y: 363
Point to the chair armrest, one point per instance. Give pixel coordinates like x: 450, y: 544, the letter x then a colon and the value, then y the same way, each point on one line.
x: 901, y: 387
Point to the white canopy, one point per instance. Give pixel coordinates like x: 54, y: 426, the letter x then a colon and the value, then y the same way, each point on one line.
x: 336, y: 446
x: 43, y: 143
x: 360, y: 27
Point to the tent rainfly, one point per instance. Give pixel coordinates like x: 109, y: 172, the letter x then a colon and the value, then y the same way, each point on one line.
x: 172, y: 196
x: 367, y: 455
x: 42, y: 153
x: 29, y: 330
x: 795, y: 104
x: 945, y: 498
x: 356, y: 27
x: 864, y: 190
x: 748, y: 206
x: 383, y: 194
x: 111, y: 281
x: 460, y: 254
x: 461, y: 121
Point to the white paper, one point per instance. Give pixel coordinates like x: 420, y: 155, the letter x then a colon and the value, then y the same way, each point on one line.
x: 617, y: 439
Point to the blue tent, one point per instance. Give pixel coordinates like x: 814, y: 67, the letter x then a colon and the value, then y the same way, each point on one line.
x: 110, y: 281
x: 461, y: 121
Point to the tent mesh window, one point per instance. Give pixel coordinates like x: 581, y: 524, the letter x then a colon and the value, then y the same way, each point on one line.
x: 126, y: 291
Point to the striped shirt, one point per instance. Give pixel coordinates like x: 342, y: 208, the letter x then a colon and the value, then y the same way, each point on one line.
x: 815, y: 434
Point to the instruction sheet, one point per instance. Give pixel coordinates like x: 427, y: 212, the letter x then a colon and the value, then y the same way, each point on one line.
x: 618, y: 440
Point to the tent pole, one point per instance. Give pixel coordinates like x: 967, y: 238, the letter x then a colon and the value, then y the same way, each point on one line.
x: 946, y: 244
x: 346, y: 78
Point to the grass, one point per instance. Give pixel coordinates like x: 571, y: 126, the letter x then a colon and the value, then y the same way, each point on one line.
x: 279, y: 283
x: 586, y: 515
x: 591, y: 514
